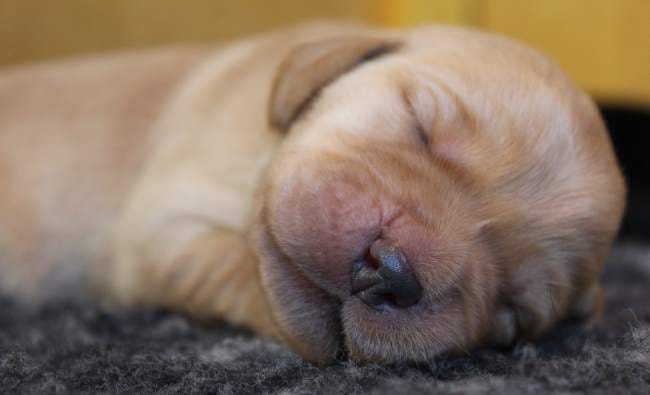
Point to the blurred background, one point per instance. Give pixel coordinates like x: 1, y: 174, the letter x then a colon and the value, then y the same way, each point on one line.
x: 604, y: 45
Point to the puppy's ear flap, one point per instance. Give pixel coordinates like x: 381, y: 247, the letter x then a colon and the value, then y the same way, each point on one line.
x: 311, y: 66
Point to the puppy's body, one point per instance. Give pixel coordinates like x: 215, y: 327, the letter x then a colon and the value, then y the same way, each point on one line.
x: 73, y: 138
x: 76, y: 137
x: 491, y: 172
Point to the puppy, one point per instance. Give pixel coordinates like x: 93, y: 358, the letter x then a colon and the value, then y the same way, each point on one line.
x: 386, y: 194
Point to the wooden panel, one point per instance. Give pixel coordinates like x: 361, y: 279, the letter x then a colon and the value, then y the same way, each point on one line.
x: 37, y: 29
x: 602, y: 44
x: 412, y: 12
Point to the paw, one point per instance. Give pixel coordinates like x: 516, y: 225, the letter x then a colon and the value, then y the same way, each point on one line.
x: 526, y: 321
x: 589, y: 305
x: 503, y: 332
x: 513, y: 323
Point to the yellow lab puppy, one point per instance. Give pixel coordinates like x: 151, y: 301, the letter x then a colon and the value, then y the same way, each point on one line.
x: 392, y: 195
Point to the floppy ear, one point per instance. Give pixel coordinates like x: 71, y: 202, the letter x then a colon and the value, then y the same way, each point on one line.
x: 311, y: 66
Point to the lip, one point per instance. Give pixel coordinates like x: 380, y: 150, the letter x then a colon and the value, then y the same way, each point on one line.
x: 395, y: 335
x: 391, y: 325
x: 331, y: 320
x: 353, y: 330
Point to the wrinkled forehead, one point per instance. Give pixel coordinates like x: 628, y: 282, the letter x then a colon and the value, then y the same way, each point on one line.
x: 499, y: 83
x: 366, y: 102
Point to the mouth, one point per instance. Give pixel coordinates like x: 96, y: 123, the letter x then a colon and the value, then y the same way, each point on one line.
x: 391, y: 333
x: 376, y: 310
x: 356, y: 279
x: 374, y: 323
x: 385, y: 315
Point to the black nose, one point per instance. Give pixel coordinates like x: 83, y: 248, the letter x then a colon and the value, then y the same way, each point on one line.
x: 384, y: 277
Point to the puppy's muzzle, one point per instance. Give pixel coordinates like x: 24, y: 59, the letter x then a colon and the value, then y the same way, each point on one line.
x: 384, y: 278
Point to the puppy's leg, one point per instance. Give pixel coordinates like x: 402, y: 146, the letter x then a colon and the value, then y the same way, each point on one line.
x: 536, y: 297
x: 196, y: 268
x: 589, y: 304
x: 541, y: 295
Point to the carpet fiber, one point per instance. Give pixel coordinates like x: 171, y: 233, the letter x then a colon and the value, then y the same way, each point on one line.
x: 78, y: 348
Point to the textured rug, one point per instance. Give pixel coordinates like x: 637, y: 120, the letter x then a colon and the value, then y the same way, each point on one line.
x: 77, y: 348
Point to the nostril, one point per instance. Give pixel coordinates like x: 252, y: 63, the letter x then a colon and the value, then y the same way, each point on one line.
x: 371, y: 261
x: 385, y: 277
x: 364, y: 276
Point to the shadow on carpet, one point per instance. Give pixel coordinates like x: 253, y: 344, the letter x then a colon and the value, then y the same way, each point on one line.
x: 79, y: 348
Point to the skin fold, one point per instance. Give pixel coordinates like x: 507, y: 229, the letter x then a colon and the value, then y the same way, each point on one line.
x: 389, y: 195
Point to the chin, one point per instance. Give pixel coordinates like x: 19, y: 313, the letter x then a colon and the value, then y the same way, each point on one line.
x: 402, y: 335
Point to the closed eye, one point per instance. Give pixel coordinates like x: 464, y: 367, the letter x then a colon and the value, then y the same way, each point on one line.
x: 422, y: 137
x: 416, y: 128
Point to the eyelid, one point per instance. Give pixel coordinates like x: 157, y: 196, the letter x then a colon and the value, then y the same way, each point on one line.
x: 416, y: 127
x: 422, y: 136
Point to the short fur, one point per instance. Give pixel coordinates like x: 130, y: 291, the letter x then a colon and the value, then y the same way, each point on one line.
x: 242, y: 183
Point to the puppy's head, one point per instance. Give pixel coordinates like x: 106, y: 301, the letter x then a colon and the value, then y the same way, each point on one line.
x: 371, y: 222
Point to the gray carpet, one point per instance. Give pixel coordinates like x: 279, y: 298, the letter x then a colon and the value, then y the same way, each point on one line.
x: 78, y: 348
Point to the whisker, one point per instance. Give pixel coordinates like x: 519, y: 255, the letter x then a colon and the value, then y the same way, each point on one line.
x: 553, y: 305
